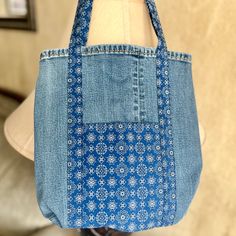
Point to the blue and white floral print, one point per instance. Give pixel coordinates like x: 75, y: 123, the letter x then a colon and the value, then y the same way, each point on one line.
x: 120, y: 174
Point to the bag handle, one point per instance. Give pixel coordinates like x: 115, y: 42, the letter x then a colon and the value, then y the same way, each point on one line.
x: 82, y: 20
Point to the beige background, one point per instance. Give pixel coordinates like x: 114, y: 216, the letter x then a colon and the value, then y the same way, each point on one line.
x: 2, y: 8
x: 206, y: 29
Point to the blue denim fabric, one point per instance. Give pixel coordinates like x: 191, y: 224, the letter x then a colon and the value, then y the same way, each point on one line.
x: 127, y: 91
x: 122, y: 88
x: 51, y: 139
x: 188, y: 156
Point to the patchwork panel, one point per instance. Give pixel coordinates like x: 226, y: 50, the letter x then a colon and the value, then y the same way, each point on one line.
x: 93, y: 141
x: 126, y: 183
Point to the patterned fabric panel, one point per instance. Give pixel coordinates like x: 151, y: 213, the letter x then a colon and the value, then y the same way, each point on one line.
x: 120, y: 142
x: 127, y: 184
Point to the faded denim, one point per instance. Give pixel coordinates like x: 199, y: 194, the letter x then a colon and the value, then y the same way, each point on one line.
x: 131, y: 78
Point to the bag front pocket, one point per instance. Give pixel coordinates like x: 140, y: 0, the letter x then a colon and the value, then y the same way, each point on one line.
x: 119, y: 88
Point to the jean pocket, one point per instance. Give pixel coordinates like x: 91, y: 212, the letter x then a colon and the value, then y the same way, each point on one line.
x: 119, y: 88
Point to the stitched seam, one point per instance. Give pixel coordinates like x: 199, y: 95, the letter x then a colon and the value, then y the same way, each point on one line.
x: 63, y: 52
x: 61, y: 56
x: 173, y: 148
x: 135, y: 91
x: 142, y: 112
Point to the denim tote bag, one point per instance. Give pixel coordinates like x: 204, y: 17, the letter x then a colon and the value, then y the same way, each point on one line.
x: 116, y: 132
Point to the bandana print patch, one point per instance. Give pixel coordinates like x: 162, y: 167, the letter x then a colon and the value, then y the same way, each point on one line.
x: 120, y: 174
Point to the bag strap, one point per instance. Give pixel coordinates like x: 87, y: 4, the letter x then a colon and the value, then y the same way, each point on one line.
x: 75, y: 111
x: 82, y: 20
